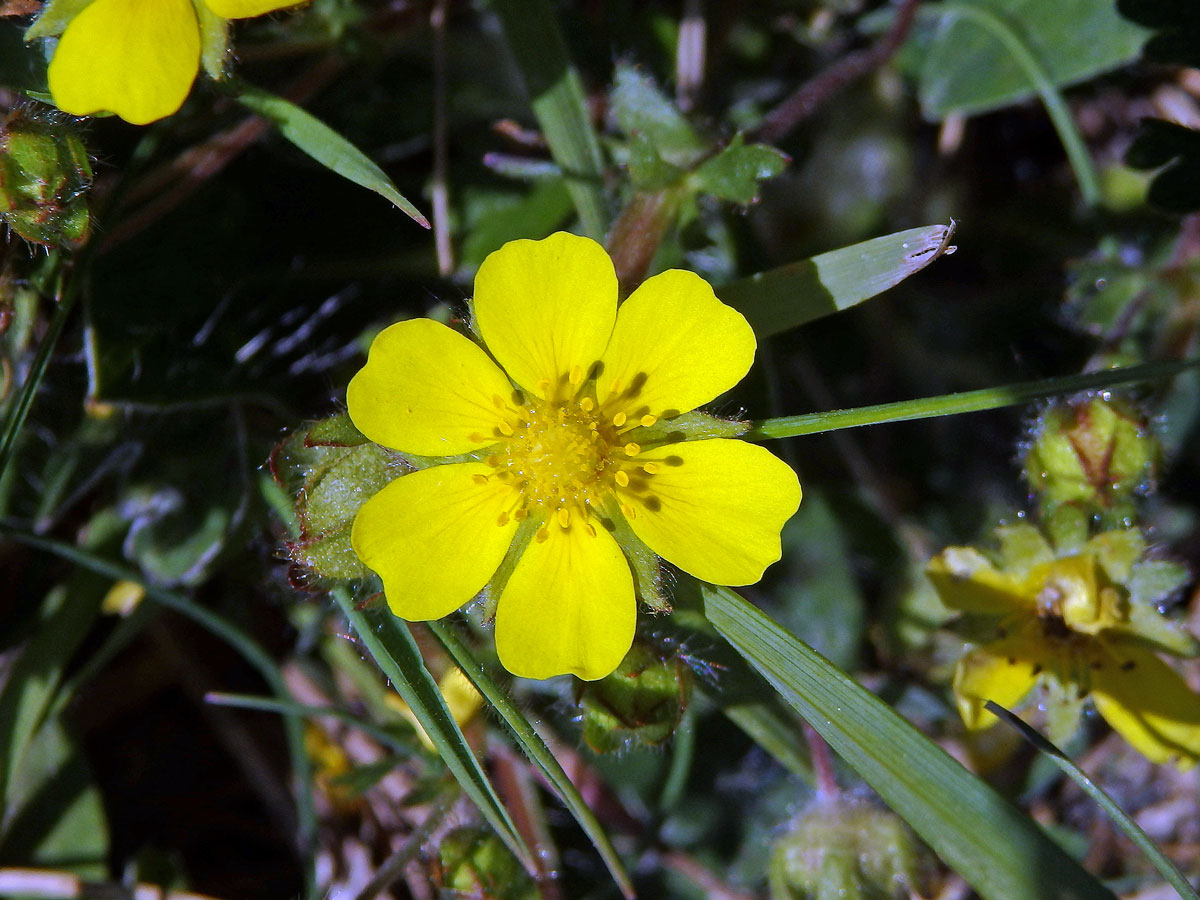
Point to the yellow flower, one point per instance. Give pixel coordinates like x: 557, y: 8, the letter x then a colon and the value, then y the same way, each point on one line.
x: 553, y: 450
x: 137, y: 58
x: 1070, y: 624
x: 462, y: 700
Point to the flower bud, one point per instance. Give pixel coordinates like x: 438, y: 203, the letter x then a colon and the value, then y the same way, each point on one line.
x: 845, y: 850
x: 331, y: 469
x: 44, y: 177
x: 472, y: 862
x: 1094, y: 454
x: 641, y: 702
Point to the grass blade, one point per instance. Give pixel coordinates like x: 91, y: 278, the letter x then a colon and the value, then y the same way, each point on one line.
x: 391, y: 645
x: 779, y: 299
x: 536, y: 750
x: 996, y: 848
x: 1122, y: 819
x: 556, y: 95
x: 326, y: 146
x: 964, y: 402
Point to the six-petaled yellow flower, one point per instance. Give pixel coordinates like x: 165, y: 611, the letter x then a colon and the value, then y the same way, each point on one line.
x: 1070, y: 623
x: 137, y: 58
x: 552, y: 448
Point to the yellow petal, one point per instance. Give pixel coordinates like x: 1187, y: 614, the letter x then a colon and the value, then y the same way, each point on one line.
x: 967, y: 581
x: 568, y: 607
x: 136, y: 58
x: 428, y: 390
x: 1003, y: 672
x: 713, y: 508
x: 434, y: 538
x: 1149, y: 704
x: 244, y: 9
x: 546, y: 308
x: 675, y: 346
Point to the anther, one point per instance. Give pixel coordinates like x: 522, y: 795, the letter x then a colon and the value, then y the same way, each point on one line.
x: 544, y: 385
x: 521, y: 514
x: 564, y: 517
x: 587, y: 404
x: 626, y: 510
x: 648, y: 420
x: 479, y: 478
x: 542, y: 535
x: 632, y: 449
x: 651, y: 468
x: 591, y: 529
x: 493, y: 461
x: 505, y: 429
x: 475, y: 437
x: 576, y: 375
x: 615, y: 387
x: 619, y: 419
x: 621, y: 478
x: 502, y: 519
x: 497, y: 401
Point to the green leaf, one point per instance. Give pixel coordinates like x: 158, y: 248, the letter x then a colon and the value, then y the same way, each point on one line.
x: 535, y: 749
x: 1001, y: 852
x: 326, y: 146
x: 1121, y: 819
x: 969, y: 70
x: 392, y: 647
x: 642, y: 110
x: 533, y: 215
x: 799, y: 292
x: 734, y: 173
x: 556, y: 95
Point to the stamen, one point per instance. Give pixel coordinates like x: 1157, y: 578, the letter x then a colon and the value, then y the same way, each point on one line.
x: 632, y: 449
x: 475, y: 437
x: 521, y: 514
x: 505, y: 429
x: 591, y: 529
x: 564, y: 517
x: 651, y: 468
x: 542, y: 535
x: 576, y: 375
x: 502, y: 519
x: 479, y: 478
x: 497, y: 401
x: 494, y: 461
x: 648, y: 420
x: 626, y: 510
x: 619, y: 419
x: 587, y: 404
x: 622, y: 478
x: 615, y: 387
x: 543, y: 385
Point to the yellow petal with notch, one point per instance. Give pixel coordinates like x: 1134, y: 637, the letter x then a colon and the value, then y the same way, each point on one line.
x: 135, y: 58
x: 429, y: 391
x: 434, y: 537
x: 714, y: 508
x: 1002, y: 671
x: 568, y: 607
x: 545, y: 309
x: 675, y: 346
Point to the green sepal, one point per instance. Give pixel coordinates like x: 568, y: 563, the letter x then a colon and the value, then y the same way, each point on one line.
x: 689, y: 426
x: 1022, y: 547
x: 1150, y: 628
x: 524, y: 534
x: 56, y: 15
x: 336, y: 431
x: 215, y: 51
x: 473, y: 862
x: 1118, y: 552
x: 641, y: 703
x: 643, y: 562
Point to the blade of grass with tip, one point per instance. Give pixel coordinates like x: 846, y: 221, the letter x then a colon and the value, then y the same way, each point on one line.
x: 1000, y: 851
x: 536, y: 750
x: 1122, y: 819
x: 779, y: 299
x: 326, y: 146
x: 558, y: 101
x: 391, y: 645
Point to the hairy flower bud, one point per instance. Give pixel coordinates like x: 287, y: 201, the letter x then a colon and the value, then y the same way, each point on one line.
x: 44, y: 177
x: 641, y: 702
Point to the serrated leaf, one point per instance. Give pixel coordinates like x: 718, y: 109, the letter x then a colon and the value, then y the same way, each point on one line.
x: 734, y: 173
x: 799, y: 292
x: 969, y: 70
x: 1000, y: 851
x: 326, y: 146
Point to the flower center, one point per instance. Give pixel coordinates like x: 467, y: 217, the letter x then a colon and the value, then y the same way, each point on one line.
x: 563, y: 458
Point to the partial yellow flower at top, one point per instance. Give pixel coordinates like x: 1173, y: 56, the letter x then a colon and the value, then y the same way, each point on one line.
x: 1070, y: 624
x: 549, y: 451
x: 137, y: 58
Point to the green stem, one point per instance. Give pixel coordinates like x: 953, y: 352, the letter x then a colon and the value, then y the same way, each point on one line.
x: 1056, y: 107
x: 232, y: 635
x: 967, y: 401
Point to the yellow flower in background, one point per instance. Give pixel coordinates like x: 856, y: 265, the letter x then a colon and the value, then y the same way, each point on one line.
x: 462, y: 700
x: 137, y: 58
x: 550, y: 449
x: 1071, y: 624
